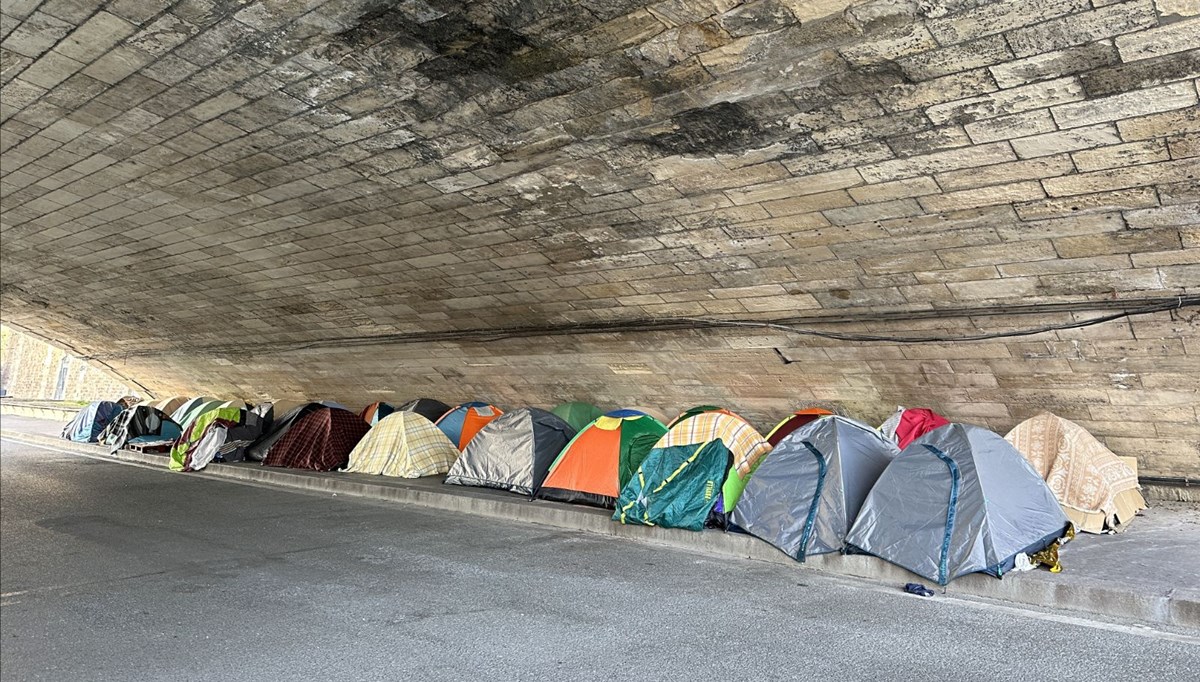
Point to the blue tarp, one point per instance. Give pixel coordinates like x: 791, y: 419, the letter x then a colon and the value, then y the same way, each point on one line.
x: 168, y: 431
x: 91, y: 420
x: 452, y: 422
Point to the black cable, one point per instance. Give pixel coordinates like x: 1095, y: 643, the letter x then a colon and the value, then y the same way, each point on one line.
x: 1181, y: 302
x: 1177, y: 481
x: 1126, y: 309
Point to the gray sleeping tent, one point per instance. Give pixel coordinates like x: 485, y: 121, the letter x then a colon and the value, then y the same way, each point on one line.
x: 513, y: 452
x: 958, y: 500
x: 805, y: 495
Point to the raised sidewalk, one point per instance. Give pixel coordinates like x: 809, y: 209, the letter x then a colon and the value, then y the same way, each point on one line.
x: 1146, y: 574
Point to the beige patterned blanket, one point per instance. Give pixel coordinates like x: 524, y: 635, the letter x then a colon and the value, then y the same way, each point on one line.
x: 1095, y: 488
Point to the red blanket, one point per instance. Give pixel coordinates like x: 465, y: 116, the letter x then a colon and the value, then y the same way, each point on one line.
x: 915, y: 423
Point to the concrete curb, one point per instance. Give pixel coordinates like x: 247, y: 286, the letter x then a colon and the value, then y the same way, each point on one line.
x: 1179, y: 607
x: 1171, y: 493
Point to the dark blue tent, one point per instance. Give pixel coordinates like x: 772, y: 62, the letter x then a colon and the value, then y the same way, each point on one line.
x: 91, y: 420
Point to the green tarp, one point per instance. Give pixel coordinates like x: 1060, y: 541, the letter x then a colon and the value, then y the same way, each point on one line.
x: 675, y: 487
x: 195, y: 431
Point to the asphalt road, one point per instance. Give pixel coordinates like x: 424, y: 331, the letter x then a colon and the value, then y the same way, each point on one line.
x: 115, y: 572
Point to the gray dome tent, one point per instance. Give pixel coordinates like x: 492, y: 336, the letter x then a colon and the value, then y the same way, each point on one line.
x: 805, y: 495
x: 513, y: 452
x: 958, y: 500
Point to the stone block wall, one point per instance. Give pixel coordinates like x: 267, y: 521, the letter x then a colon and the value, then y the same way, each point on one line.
x: 32, y: 369
x: 1132, y: 383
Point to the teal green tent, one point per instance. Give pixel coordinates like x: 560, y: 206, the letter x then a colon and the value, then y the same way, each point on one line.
x: 676, y: 486
x: 578, y: 415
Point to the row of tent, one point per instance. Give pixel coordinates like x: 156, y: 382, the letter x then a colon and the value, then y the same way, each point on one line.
x: 940, y: 499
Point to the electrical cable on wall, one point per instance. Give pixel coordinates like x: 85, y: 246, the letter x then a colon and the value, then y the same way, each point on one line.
x: 798, y: 326
x: 1180, y: 303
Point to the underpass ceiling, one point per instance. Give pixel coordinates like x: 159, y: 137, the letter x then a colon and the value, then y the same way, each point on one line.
x: 283, y: 172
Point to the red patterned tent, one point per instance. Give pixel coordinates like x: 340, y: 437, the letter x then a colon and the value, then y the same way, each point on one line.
x: 321, y: 440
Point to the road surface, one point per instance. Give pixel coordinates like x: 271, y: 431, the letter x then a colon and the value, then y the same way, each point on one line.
x: 118, y: 572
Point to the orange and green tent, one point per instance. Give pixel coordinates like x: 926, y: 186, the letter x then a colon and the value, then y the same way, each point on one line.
x: 600, y: 460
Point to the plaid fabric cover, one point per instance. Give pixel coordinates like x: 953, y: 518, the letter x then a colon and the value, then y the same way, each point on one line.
x: 747, y: 444
x: 403, y: 444
x: 320, y: 440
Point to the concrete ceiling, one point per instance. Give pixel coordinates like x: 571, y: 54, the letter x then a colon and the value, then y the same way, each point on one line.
x: 348, y: 167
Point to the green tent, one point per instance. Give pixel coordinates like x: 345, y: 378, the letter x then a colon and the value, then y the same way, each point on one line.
x: 196, y: 431
x: 578, y: 415
x: 181, y: 413
x: 676, y: 486
x: 600, y: 460
x: 637, y: 440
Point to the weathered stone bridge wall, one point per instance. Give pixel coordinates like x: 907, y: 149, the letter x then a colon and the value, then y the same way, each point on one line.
x: 31, y: 369
x: 193, y: 189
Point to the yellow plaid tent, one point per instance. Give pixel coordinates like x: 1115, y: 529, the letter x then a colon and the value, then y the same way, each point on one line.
x: 747, y: 445
x: 403, y: 444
